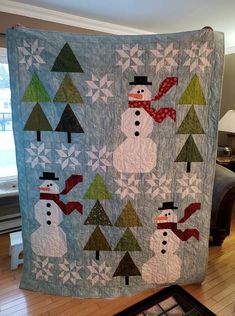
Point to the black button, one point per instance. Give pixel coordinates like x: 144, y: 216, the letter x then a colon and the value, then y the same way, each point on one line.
x: 48, y: 204
x: 48, y: 213
x: 137, y: 112
x: 137, y: 133
x: 48, y: 222
x: 163, y: 251
x: 164, y: 242
x: 137, y: 123
x: 165, y: 234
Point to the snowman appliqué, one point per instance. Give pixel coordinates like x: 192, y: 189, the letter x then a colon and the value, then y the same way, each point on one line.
x: 138, y: 153
x: 165, y: 266
x: 49, y: 239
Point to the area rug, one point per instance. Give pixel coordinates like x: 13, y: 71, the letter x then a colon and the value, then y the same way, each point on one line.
x: 171, y: 301
x: 116, y: 143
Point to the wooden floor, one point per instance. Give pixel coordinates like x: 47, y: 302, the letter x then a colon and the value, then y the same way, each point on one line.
x: 217, y: 292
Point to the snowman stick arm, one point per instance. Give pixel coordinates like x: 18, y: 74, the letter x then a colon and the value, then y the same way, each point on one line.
x: 190, y: 209
x: 73, y: 180
x: 165, y: 86
x: 68, y: 208
x: 187, y: 233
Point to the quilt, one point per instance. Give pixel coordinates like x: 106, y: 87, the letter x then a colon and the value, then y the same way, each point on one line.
x: 116, y: 143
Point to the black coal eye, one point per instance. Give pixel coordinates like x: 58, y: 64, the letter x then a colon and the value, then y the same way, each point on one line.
x: 48, y: 185
x: 169, y: 213
x: 138, y: 91
x: 51, y: 184
x: 142, y: 90
x: 165, y: 214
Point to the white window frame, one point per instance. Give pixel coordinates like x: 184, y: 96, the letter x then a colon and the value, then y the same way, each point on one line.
x: 8, y: 184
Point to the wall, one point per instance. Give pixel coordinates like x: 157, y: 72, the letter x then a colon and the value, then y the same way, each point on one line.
x: 228, y: 91
x: 228, y: 95
x: 7, y: 20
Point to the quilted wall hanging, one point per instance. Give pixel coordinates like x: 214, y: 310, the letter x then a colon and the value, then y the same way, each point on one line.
x: 116, y: 144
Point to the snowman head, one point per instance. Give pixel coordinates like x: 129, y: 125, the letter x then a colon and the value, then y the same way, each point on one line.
x: 167, y: 216
x: 49, y: 186
x: 140, y: 93
x: 140, y: 90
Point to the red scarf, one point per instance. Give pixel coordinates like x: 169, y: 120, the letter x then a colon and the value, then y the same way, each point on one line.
x: 158, y: 115
x: 183, y: 235
x: 187, y: 233
x: 161, y: 114
x: 66, y: 208
x: 70, y: 206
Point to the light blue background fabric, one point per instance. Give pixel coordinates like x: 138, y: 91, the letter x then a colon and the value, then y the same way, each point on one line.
x: 101, y: 123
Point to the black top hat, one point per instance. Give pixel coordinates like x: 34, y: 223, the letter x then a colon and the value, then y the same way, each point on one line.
x: 140, y: 80
x: 48, y: 176
x: 168, y: 206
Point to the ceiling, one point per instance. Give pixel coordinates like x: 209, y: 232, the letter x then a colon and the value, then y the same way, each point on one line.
x: 157, y: 16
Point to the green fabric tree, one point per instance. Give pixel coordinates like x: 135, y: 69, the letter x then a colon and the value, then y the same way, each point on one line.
x: 97, y: 242
x: 189, y: 153
x: 190, y: 124
x: 126, y: 268
x: 37, y: 121
x: 35, y: 92
x: 193, y: 95
x: 66, y: 61
x: 69, y: 123
x: 97, y: 190
x: 67, y: 92
x: 97, y: 216
x: 127, y: 242
x: 127, y: 218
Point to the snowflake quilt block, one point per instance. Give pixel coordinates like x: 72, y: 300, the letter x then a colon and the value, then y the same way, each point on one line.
x: 116, y: 144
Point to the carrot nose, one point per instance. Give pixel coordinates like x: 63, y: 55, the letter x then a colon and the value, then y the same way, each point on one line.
x: 44, y: 189
x: 135, y: 95
x: 161, y: 218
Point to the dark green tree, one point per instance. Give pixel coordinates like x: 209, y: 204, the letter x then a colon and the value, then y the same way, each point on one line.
x: 69, y: 123
x: 66, y: 61
x: 97, y: 242
x: 126, y: 268
x: 37, y: 121
x: 189, y: 153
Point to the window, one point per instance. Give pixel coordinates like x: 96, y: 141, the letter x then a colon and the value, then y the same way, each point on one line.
x: 7, y: 105
x: 7, y: 146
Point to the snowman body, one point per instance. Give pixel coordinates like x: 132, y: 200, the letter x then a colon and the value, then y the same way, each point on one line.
x: 165, y: 266
x: 138, y: 153
x: 49, y: 239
